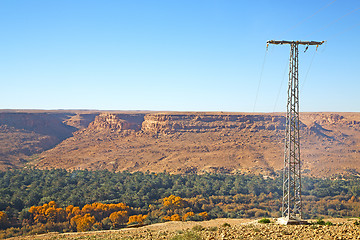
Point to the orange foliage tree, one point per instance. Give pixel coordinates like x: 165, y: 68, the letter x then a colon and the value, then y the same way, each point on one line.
x: 4, y: 221
x: 174, y: 202
x: 137, y: 219
x: 49, y: 212
x: 82, y: 223
x: 81, y: 219
x: 119, y: 217
x: 102, y: 210
x: 166, y: 218
x: 204, y: 215
x: 187, y: 215
x: 72, y: 211
x: 175, y: 217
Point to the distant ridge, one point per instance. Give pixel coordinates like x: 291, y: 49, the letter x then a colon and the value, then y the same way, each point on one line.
x: 178, y: 142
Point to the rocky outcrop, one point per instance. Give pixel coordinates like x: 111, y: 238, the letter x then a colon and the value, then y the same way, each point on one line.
x: 170, y: 123
x: 116, y: 122
x: 154, y: 123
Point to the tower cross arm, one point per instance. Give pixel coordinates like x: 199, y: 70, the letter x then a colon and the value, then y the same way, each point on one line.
x: 295, y: 42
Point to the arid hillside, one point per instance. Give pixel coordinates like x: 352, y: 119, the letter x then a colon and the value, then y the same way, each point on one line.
x: 207, y: 142
x: 177, y: 142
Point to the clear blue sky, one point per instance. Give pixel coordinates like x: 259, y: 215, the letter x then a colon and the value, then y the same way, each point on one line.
x: 198, y: 55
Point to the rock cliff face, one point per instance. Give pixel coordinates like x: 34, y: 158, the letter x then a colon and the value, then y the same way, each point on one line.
x: 208, y: 142
x: 117, y: 122
x: 209, y: 122
x: 173, y: 123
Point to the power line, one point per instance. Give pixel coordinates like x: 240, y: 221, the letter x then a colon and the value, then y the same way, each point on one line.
x: 346, y: 30
x: 335, y: 21
x: 281, y: 84
x: 307, y: 72
x: 304, y: 20
x: 261, y: 74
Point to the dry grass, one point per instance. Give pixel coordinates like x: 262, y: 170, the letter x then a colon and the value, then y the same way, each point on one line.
x: 216, y: 229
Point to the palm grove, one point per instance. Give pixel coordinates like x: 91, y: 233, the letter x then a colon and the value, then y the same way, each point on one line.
x: 35, y: 201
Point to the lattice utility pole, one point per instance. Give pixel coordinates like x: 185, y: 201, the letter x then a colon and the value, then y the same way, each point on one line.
x: 291, y: 203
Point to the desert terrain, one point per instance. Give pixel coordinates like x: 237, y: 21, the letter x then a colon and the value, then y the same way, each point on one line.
x: 177, y: 142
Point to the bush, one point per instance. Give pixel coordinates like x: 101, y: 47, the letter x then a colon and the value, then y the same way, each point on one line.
x: 226, y: 225
x: 328, y: 223
x: 213, y: 229
x: 264, y: 220
x: 198, y: 228
x: 320, y: 221
x: 187, y: 236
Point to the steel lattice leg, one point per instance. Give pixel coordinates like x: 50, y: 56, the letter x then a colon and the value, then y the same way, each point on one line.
x: 292, y: 204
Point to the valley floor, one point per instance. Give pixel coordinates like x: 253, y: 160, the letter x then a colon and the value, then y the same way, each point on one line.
x: 217, y: 229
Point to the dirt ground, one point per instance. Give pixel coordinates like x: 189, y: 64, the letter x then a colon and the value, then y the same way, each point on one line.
x: 220, y: 229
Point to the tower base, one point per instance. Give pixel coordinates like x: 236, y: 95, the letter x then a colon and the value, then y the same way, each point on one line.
x: 290, y: 221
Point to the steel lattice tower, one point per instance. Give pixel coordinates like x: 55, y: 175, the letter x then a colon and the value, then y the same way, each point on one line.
x: 291, y: 202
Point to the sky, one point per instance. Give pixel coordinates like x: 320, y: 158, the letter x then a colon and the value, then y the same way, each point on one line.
x: 168, y: 55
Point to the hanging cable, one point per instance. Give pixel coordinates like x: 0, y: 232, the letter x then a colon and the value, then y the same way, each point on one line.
x: 261, y: 74
x: 346, y: 30
x: 281, y: 84
x: 333, y: 22
x: 304, y: 20
x: 307, y: 72
x: 324, y: 48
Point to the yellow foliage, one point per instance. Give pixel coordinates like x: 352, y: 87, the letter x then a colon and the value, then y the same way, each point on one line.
x: 80, y: 219
x: 3, y: 219
x: 48, y: 213
x: 76, y: 211
x: 188, y: 214
x: 174, y: 201
x: 71, y: 211
x: 119, y: 217
x: 167, y: 218
x: 137, y: 218
x: 82, y: 223
x: 101, y: 210
x: 69, y: 208
x: 204, y: 215
x: 52, y: 204
x: 175, y: 217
